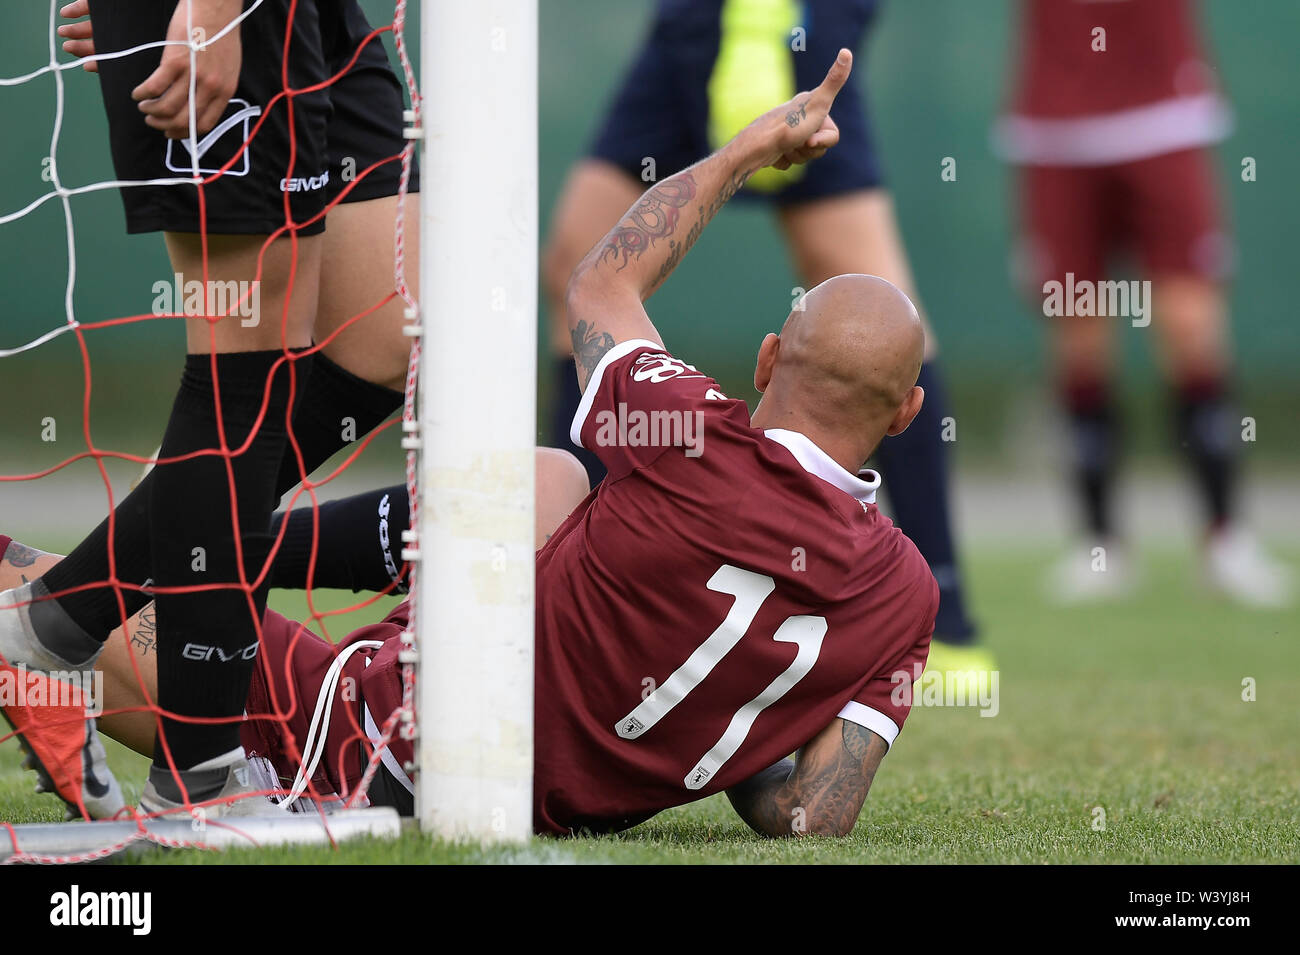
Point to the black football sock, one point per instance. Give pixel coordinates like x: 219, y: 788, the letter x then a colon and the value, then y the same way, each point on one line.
x: 207, y: 639
x: 1206, y: 430
x: 914, y: 469
x: 1094, y: 437
x: 359, y: 548
x: 337, y: 408
x: 334, y: 408
x: 88, y: 616
x: 567, y: 398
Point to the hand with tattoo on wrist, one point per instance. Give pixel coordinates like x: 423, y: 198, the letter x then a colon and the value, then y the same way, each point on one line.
x: 801, y: 130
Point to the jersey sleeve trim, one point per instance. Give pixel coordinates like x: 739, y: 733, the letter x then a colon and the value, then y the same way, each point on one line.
x: 874, y: 720
x: 593, y: 383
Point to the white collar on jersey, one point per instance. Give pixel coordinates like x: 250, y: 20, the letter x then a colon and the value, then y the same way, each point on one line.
x: 816, y: 461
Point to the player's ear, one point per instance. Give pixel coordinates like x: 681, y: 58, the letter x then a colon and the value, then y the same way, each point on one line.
x: 908, y: 410
x: 766, y: 361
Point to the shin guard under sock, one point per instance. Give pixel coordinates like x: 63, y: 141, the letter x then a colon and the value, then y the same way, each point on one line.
x: 208, y: 639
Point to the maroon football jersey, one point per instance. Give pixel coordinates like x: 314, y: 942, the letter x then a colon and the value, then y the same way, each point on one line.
x: 1151, y: 53
x: 1107, y: 82
x: 715, y: 603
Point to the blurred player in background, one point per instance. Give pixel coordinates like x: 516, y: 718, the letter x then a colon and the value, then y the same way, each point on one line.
x: 705, y: 69
x: 678, y: 568
x: 1113, y: 115
x: 205, y: 520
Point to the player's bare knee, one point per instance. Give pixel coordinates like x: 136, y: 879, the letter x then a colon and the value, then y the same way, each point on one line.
x: 392, y: 370
x: 561, y: 485
x: 561, y: 476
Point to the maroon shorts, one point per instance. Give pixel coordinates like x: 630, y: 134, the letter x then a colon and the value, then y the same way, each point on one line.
x: 1163, y: 212
x: 294, y: 666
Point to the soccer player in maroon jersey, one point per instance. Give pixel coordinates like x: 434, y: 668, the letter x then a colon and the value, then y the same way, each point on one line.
x: 730, y: 594
x: 761, y: 603
x: 703, y: 70
x: 1113, y: 116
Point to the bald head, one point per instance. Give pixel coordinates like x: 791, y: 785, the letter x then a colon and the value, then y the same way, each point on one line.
x: 856, y: 335
x: 844, y: 368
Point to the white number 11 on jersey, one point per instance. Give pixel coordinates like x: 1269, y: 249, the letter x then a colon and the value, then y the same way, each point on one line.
x: 750, y: 590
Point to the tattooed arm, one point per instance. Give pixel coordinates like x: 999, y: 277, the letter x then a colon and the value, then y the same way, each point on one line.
x: 820, y: 792
x: 20, y: 564
x: 606, y: 291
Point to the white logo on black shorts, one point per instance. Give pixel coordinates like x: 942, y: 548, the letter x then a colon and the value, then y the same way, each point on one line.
x: 216, y: 147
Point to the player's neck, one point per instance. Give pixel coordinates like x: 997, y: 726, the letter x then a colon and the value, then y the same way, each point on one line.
x: 848, y: 451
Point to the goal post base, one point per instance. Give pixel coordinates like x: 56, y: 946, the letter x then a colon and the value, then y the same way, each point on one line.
x: 90, y: 841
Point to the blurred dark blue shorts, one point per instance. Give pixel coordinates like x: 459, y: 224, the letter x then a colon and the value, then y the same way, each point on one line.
x: 661, y: 111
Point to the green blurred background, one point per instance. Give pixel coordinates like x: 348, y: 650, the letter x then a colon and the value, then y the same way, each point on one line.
x: 1116, y: 696
x: 935, y: 71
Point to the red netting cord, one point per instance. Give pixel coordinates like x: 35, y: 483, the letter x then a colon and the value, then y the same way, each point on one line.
x: 403, y: 716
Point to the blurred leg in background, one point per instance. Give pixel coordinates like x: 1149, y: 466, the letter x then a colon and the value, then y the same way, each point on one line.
x: 1185, y: 251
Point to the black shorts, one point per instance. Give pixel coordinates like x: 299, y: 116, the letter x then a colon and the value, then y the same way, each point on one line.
x: 339, y: 131
x: 662, y: 111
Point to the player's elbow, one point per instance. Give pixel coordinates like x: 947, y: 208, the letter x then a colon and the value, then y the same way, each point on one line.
x: 582, y: 295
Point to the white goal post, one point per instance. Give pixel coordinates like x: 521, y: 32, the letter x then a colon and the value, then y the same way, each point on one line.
x: 477, y: 418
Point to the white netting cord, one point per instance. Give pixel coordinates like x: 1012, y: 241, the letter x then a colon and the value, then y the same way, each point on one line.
x: 64, y: 193
x: 54, y: 66
x: 404, y: 715
x: 402, y: 720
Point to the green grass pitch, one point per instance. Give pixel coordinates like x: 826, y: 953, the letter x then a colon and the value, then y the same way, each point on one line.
x: 1135, y: 708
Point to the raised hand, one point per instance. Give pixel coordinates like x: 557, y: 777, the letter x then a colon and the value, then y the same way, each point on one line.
x: 802, y: 129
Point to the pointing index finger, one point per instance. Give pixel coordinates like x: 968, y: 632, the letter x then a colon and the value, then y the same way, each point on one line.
x: 837, y: 75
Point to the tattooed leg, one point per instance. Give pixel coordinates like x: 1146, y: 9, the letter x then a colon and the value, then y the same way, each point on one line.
x: 20, y: 564
x: 821, y: 792
x: 124, y: 690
